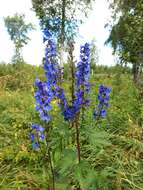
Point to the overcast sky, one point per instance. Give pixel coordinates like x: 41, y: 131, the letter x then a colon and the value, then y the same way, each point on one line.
x: 33, y: 52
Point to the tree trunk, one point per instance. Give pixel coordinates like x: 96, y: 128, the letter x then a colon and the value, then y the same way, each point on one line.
x: 72, y: 69
x: 136, y: 72
x: 62, y: 38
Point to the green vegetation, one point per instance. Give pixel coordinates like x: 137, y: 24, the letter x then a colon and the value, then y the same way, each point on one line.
x: 126, y: 34
x: 18, y: 29
x: 115, y: 151
x: 62, y: 17
x: 77, y: 151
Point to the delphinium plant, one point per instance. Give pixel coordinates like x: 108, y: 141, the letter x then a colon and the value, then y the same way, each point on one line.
x: 103, y: 97
x: 43, y: 137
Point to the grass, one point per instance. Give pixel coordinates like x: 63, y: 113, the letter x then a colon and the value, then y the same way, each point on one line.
x: 115, y: 151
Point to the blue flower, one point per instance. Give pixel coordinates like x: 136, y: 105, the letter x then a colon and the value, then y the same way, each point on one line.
x: 42, y: 136
x: 43, y: 96
x: 95, y: 113
x: 82, y: 86
x: 60, y: 94
x: 50, y: 64
x: 103, y: 98
x: 83, y: 67
x: 45, y: 91
x: 35, y: 145
x: 69, y: 113
x: 36, y: 135
x: 103, y: 113
x: 46, y: 35
x: 32, y: 136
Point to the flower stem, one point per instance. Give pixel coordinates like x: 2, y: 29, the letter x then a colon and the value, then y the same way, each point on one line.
x: 52, y: 170
x: 78, y: 138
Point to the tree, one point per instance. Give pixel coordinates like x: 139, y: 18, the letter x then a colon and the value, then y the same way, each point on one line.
x: 17, y: 29
x: 60, y: 17
x: 94, y: 56
x: 126, y: 35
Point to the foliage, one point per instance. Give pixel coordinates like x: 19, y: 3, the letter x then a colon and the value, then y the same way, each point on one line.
x: 94, y: 56
x: 126, y: 33
x: 17, y: 29
x: 60, y: 17
x: 112, y: 151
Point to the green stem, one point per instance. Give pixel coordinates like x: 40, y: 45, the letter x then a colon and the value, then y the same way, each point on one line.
x: 52, y: 170
x: 78, y: 138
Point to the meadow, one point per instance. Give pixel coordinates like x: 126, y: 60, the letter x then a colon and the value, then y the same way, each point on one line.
x: 112, y: 152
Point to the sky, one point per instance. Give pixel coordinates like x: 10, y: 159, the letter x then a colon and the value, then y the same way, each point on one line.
x: 93, y: 28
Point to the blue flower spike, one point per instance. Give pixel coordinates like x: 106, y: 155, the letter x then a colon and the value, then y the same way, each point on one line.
x: 36, y: 135
x: 103, y: 98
